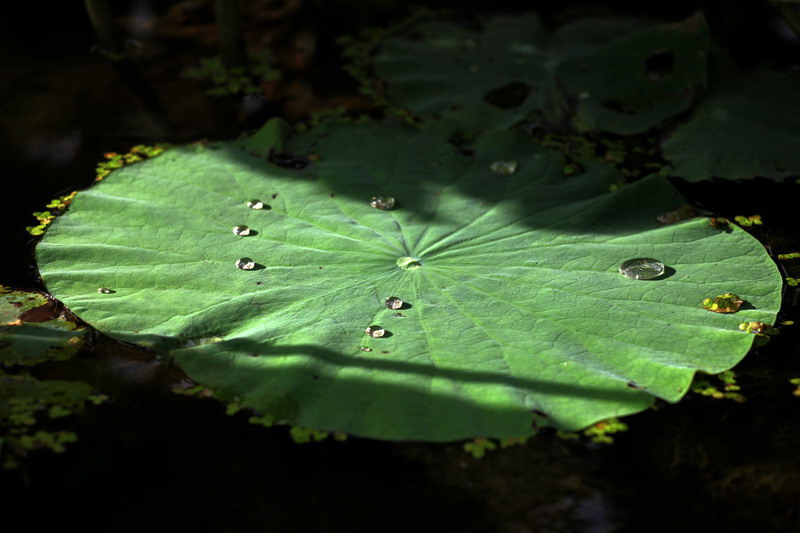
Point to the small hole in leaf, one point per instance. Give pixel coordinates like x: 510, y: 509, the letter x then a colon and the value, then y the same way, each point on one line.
x: 508, y: 96
x: 660, y: 65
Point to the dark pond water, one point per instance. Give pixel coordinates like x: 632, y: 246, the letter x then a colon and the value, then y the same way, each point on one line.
x: 152, y: 460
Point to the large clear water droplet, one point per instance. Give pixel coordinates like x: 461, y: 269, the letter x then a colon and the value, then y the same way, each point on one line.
x: 255, y: 204
x: 641, y: 268
x: 241, y: 231
x: 505, y: 168
x: 245, y: 263
x: 393, y: 302
x: 375, y: 331
x: 382, y: 202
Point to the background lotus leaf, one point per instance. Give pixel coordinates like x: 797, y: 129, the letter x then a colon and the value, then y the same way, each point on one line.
x: 745, y: 127
x: 515, y: 303
x: 617, y: 75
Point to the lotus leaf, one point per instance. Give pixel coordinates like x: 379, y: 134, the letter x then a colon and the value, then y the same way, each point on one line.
x: 514, y: 311
x: 746, y: 127
x: 618, y: 75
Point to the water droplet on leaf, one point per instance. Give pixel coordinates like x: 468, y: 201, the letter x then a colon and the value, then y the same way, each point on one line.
x: 375, y: 331
x: 408, y: 263
x: 393, y: 302
x: 505, y: 168
x: 724, y: 303
x: 641, y: 268
x: 245, y: 263
x: 241, y: 230
x: 382, y: 202
x: 366, y: 349
x: 104, y: 290
x: 255, y: 204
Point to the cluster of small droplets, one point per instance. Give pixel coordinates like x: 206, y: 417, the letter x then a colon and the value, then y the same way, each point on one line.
x: 382, y: 202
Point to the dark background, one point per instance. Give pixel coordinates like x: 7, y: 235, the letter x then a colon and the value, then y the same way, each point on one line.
x: 152, y: 460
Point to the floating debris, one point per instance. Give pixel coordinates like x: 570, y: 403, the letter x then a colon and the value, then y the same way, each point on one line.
x: 743, y: 221
x: 255, y: 204
x: 375, y: 331
x: 382, y: 202
x: 393, y: 302
x: 758, y: 328
x: 641, y: 268
x: 505, y: 168
x: 245, y: 263
x: 684, y: 212
x: 241, y: 231
x: 793, y: 255
x: 724, y: 303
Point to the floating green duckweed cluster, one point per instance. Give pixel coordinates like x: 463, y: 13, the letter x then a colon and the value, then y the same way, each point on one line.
x: 753, y: 220
x: 702, y: 385
x: 138, y: 153
x: 56, y: 207
x: 724, y: 303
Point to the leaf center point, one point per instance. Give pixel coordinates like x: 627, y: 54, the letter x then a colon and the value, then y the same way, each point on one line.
x: 408, y: 263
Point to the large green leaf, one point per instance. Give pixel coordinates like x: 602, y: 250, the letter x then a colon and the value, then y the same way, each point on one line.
x: 515, y: 303
x: 618, y: 75
x: 747, y: 126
